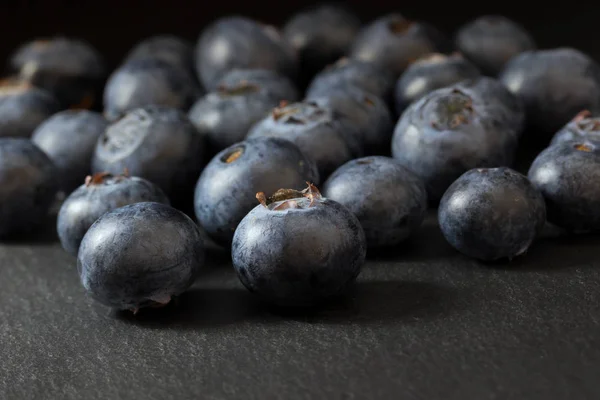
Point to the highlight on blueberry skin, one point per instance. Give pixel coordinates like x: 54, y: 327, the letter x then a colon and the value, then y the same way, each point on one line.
x: 431, y: 72
x: 242, y: 98
x: 71, y: 69
x: 492, y: 214
x: 141, y: 255
x: 156, y: 143
x: 567, y: 175
x: 23, y: 107
x: 389, y: 201
x: 69, y: 139
x: 490, y: 41
x: 241, y: 43
x: 28, y: 185
x: 100, y: 194
x: 146, y: 82
x: 448, y: 132
x: 582, y: 127
x: 297, y: 248
x: 226, y: 190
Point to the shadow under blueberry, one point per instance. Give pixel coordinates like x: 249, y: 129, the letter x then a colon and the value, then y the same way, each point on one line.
x: 43, y: 233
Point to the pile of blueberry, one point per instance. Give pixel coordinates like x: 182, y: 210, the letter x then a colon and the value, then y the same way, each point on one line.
x: 283, y: 146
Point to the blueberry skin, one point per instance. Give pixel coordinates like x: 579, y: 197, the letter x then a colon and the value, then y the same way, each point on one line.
x: 389, y: 201
x: 146, y: 82
x: 156, y: 143
x: 69, y: 139
x: 392, y: 41
x: 243, y: 98
x: 567, y: 174
x: 583, y: 126
x: 321, y: 35
x: 23, y: 107
x: 92, y: 200
x: 491, y: 41
x: 170, y: 49
x: 317, y: 131
x: 447, y: 133
x: 226, y: 191
x: 140, y: 255
x: 299, y: 257
x: 71, y: 69
x: 241, y: 43
x: 429, y: 73
x: 367, y: 113
x: 28, y: 186
x: 554, y: 85
x: 347, y: 72
x: 491, y: 214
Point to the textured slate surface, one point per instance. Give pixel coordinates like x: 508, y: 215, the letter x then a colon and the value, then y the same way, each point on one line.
x: 423, y: 323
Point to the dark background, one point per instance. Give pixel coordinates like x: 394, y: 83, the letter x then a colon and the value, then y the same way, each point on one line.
x: 423, y: 323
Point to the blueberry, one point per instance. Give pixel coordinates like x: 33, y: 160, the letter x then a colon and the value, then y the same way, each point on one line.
x: 448, y: 132
x: 297, y: 248
x: 554, y: 85
x: 567, y: 174
x: 321, y: 35
x: 69, y: 138
x: 431, y: 72
x: 226, y: 190
x: 389, y: 201
x: 140, y: 255
x: 70, y: 69
x: 243, y: 98
x: 241, y: 43
x: 100, y: 194
x: 491, y: 214
x: 28, y: 185
x: 393, y: 41
x: 145, y: 82
x: 367, y: 113
x: 23, y: 107
x: 583, y: 126
x: 156, y: 143
x: 170, y: 49
x: 317, y: 131
x: 491, y: 41
x: 346, y: 72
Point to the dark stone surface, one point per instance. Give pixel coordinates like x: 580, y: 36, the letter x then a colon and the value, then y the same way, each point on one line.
x: 424, y: 322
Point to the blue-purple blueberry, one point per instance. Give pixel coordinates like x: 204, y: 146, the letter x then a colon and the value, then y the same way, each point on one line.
x: 170, y: 49
x: 583, y: 126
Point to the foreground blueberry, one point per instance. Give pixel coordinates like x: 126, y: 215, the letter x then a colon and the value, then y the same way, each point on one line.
x: 491, y: 41
x: 393, y: 41
x: 448, y: 132
x: 140, y: 255
x: 100, y: 194
x: 492, y: 214
x: 297, y: 248
x: 389, y: 201
x: 69, y: 138
x: 28, y: 185
x: 241, y: 43
x: 583, y: 126
x: 554, y: 85
x: 23, y: 107
x: 145, y: 82
x: 367, y: 113
x: 317, y: 131
x: 567, y: 174
x: 226, y: 190
x: 321, y: 35
x: 156, y: 143
x: 431, y: 72
x: 170, y: 49
x: 347, y: 72
x: 70, y: 69
x: 242, y: 98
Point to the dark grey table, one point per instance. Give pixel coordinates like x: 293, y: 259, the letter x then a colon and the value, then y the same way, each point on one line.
x: 423, y: 323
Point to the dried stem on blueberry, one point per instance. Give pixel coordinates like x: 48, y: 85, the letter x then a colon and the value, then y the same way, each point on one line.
x: 397, y: 26
x: 100, y: 177
x: 311, y: 193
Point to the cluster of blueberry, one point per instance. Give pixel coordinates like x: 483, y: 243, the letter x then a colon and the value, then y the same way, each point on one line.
x: 225, y: 124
